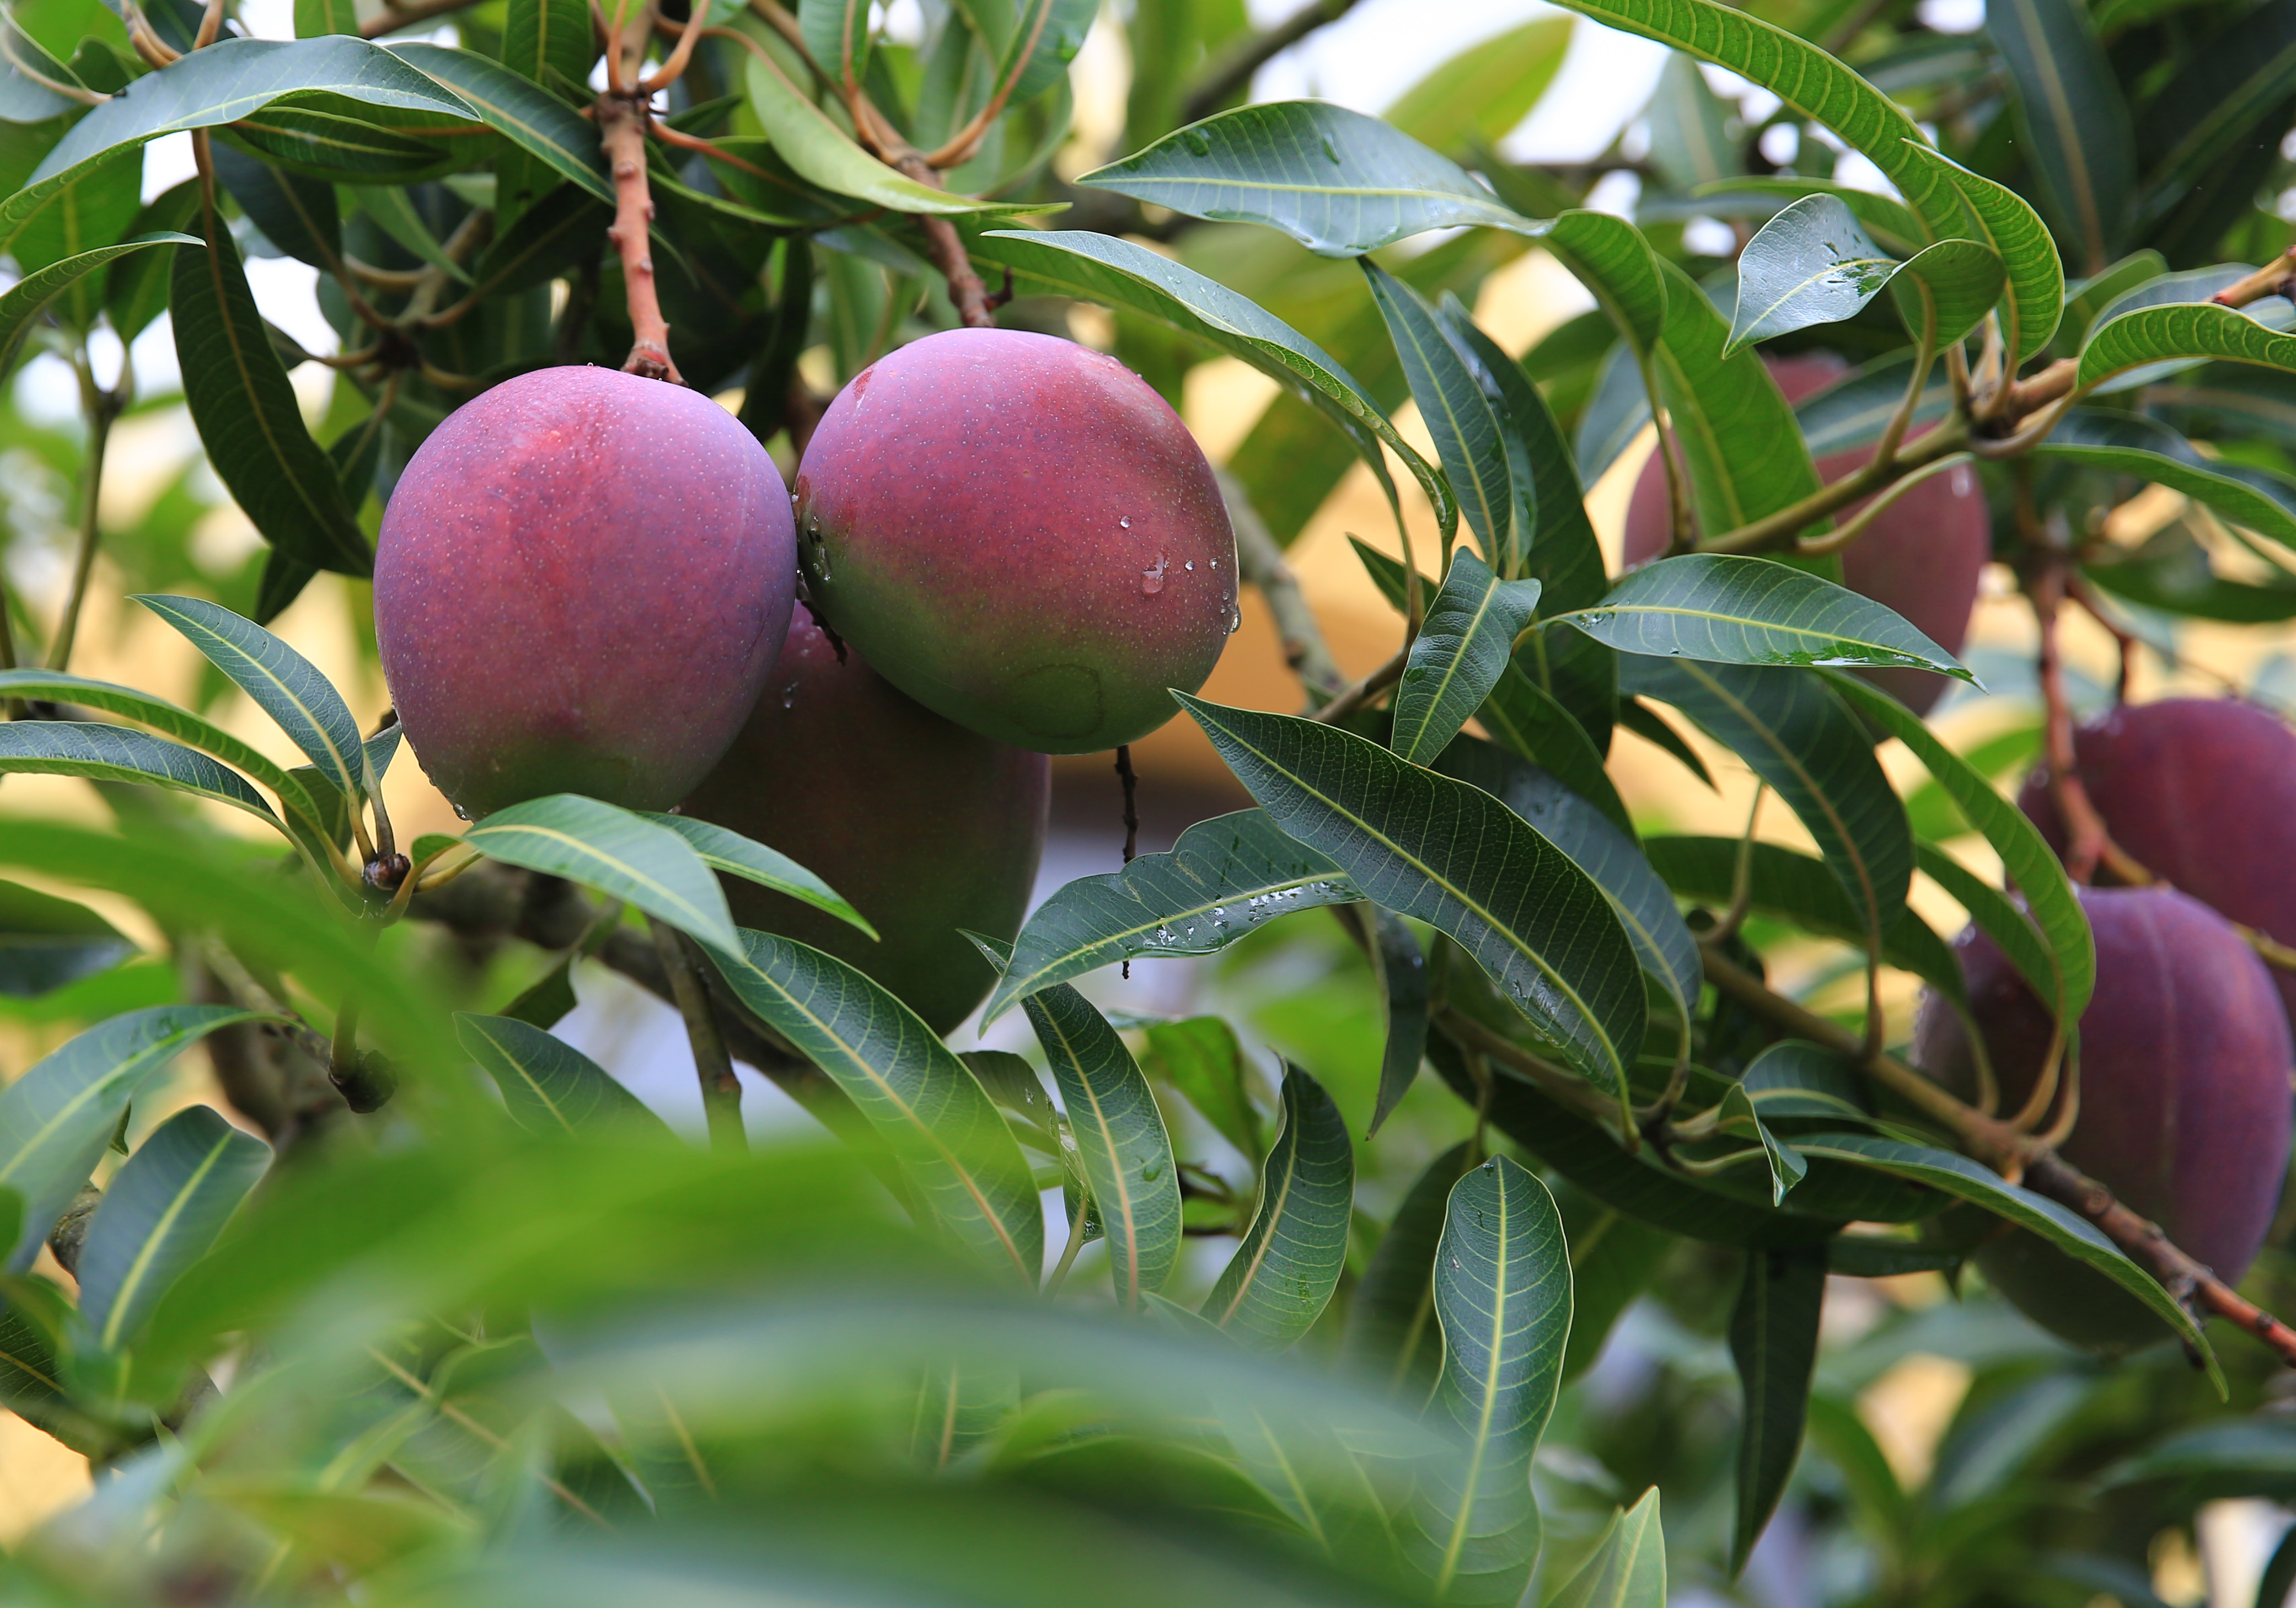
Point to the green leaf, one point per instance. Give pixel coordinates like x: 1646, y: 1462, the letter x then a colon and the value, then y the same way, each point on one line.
x: 1483, y: 92
x: 1994, y: 914
x: 2075, y: 122
x: 247, y: 415
x: 1399, y: 965
x: 1690, y: 134
x: 543, y: 1003
x: 163, y: 1212
x: 2076, y: 1236
x: 1200, y: 1058
x: 135, y: 286
x: 1628, y: 1569
x: 2128, y: 444
x: 1728, y: 609
x: 56, y: 1119
x: 729, y: 851
x: 2224, y: 91
x: 618, y: 851
x: 46, y: 942
x: 1338, y: 182
x: 1033, y: 40
x: 332, y: 146
x: 528, y: 116
x: 2024, y: 854
x: 1128, y: 1155
x: 837, y: 32
x: 1392, y: 1340
x: 1117, y: 273
x: 94, y: 211
x: 1796, y: 735
x: 1454, y: 856
x: 1503, y: 1294
x: 23, y: 99
x: 551, y: 1087
x: 389, y: 210
x: 285, y: 685
x: 1282, y: 1274
x: 228, y: 81
x: 1774, y: 1342
x: 1222, y: 878
x: 562, y: 231
x: 1613, y: 260
x: 298, y: 215
x: 820, y: 153
x: 1613, y: 1258
x: 1854, y: 409
x: 1648, y: 724
x: 1805, y: 77
x: 925, y: 1103
x: 1526, y: 718
x: 314, y: 18
x: 544, y: 37
x: 1889, y: 220
x: 2181, y: 330
x: 1462, y: 650
x: 2006, y: 221
x: 117, y: 753
x: 1456, y: 412
x: 1812, y: 264
x: 35, y: 293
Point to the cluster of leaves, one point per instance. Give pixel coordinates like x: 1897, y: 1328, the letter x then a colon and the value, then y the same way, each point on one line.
x: 496, y: 1345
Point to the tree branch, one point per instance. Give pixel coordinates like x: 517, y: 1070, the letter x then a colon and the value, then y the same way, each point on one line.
x: 393, y: 18
x: 1233, y: 71
x: 621, y: 133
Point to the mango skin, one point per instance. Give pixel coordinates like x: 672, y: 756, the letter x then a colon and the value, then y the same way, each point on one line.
x: 1923, y: 557
x: 2202, y: 792
x: 1022, y: 535
x: 923, y: 825
x: 581, y: 581
x: 2184, y: 1105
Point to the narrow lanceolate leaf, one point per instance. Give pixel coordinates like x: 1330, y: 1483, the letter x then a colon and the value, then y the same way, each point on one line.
x: 1400, y: 967
x: 162, y: 1214
x: 1457, y: 413
x: 1502, y: 1295
x: 1528, y: 720
x: 2186, y: 330
x: 2074, y: 119
x: 550, y: 1086
x: 1128, y: 1155
x: 617, y: 851
x: 753, y: 862
x: 1282, y: 1275
x: 57, y: 1118
x: 1116, y: 272
x: 35, y: 293
x: 1628, y: 1569
x: 1393, y: 1341
x: 1462, y: 650
x: 119, y: 753
x: 1995, y: 914
x: 298, y: 215
x: 1613, y: 260
x: 2035, y: 298
x: 837, y: 33
x: 1453, y: 855
x: 1338, y: 182
x: 46, y: 942
x: 1812, y: 264
x: 1731, y: 610
x: 1774, y: 1341
x: 927, y: 1105
x: 523, y: 112
x: 543, y: 36
x: 2025, y: 854
x: 285, y: 685
x: 2129, y: 444
x: 1220, y: 881
x: 247, y: 415
x: 2076, y: 1236
x: 1797, y: 736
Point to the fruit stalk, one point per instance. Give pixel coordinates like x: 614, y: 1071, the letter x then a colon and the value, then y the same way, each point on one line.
x: 721, y: 1088
x: 621, y: 134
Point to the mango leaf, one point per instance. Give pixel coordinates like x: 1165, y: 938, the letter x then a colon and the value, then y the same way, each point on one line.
x: 329, y: 145
x: 118, y: 753
x: 551, y: 1087
x: 2005, y: 220
x: 1503, y: 1294
x: 247, y: 415
x: 388, y: 208
x: 1460, y: 650
x: 2076, y: 1236
x: 1994, y: 914
x: 544, y: 37
x: 36, y: 292
x: 1795, y: 1078
x: 1454, y: 856
x: 163, y: 1212
x: 1338, y: 182
x: 1033, y: 41
x: 1888, y: 219
x: 1854, y: 409
x: 837, y: 32
x: 285, y: 685
x: 1728, y: 609
x: 925, y: 1103
x: 1798, y: 737
x: 2182, y: 330
x: 2193, y: 129
x: 753, y: 862
x: 1812, y: 264
x: 1614, y: 1260
x: 1483, y: 92
x: 2075, y: 122
x: 1457, y: 413
x: 523, y: 112
x: 2024, y: 854
x: 1290, y: 1257
x: 1126, y: 1154
x: 1774, y: 1342
x: 1392, y: 1340
x: 1200, y: 1058
x: 2128, y: 444
x: 46, y: 942
x: 1220, y: 881
x: 1116, y: 272
x: 619, y: 852
x: 135, y: 286
x: 1628, y: 1569
x: 1527, y: 719
x: 1648, y: 724
x: 56, y: 1119
x: 298, y: 215
x: 1612, y: 259
x: 1399, y: 965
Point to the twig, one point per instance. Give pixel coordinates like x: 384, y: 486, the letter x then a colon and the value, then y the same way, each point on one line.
x: 392, y: 18
x: 210, y: 25
x: 1131, y: 785
x: 621, y: 134
x: 1780, y: 528
x: 99, y: 407
x: 966, y: 140
x: 1233, y: 69
x: 1262, y: 564
x: 1835, y: 540
x: 721, y: 1088
x: 2274, y: 278
x: 1370, y: 687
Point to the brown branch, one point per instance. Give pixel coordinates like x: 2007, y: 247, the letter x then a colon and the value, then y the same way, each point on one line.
x: 1261, y: 563
x: 1370, y: 687
x: 1781, y: 528
x: 966, y: 140
x: 945, y: 247
x: 721, y: 1090
x: 2274, y: 278
x: 621, y: 134
x: 1233, y: 72
x: 395, y: 17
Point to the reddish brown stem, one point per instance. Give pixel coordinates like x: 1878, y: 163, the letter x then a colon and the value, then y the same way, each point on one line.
x: 2274, y: 278
x: 621, y: 133
x: 967, y: 293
